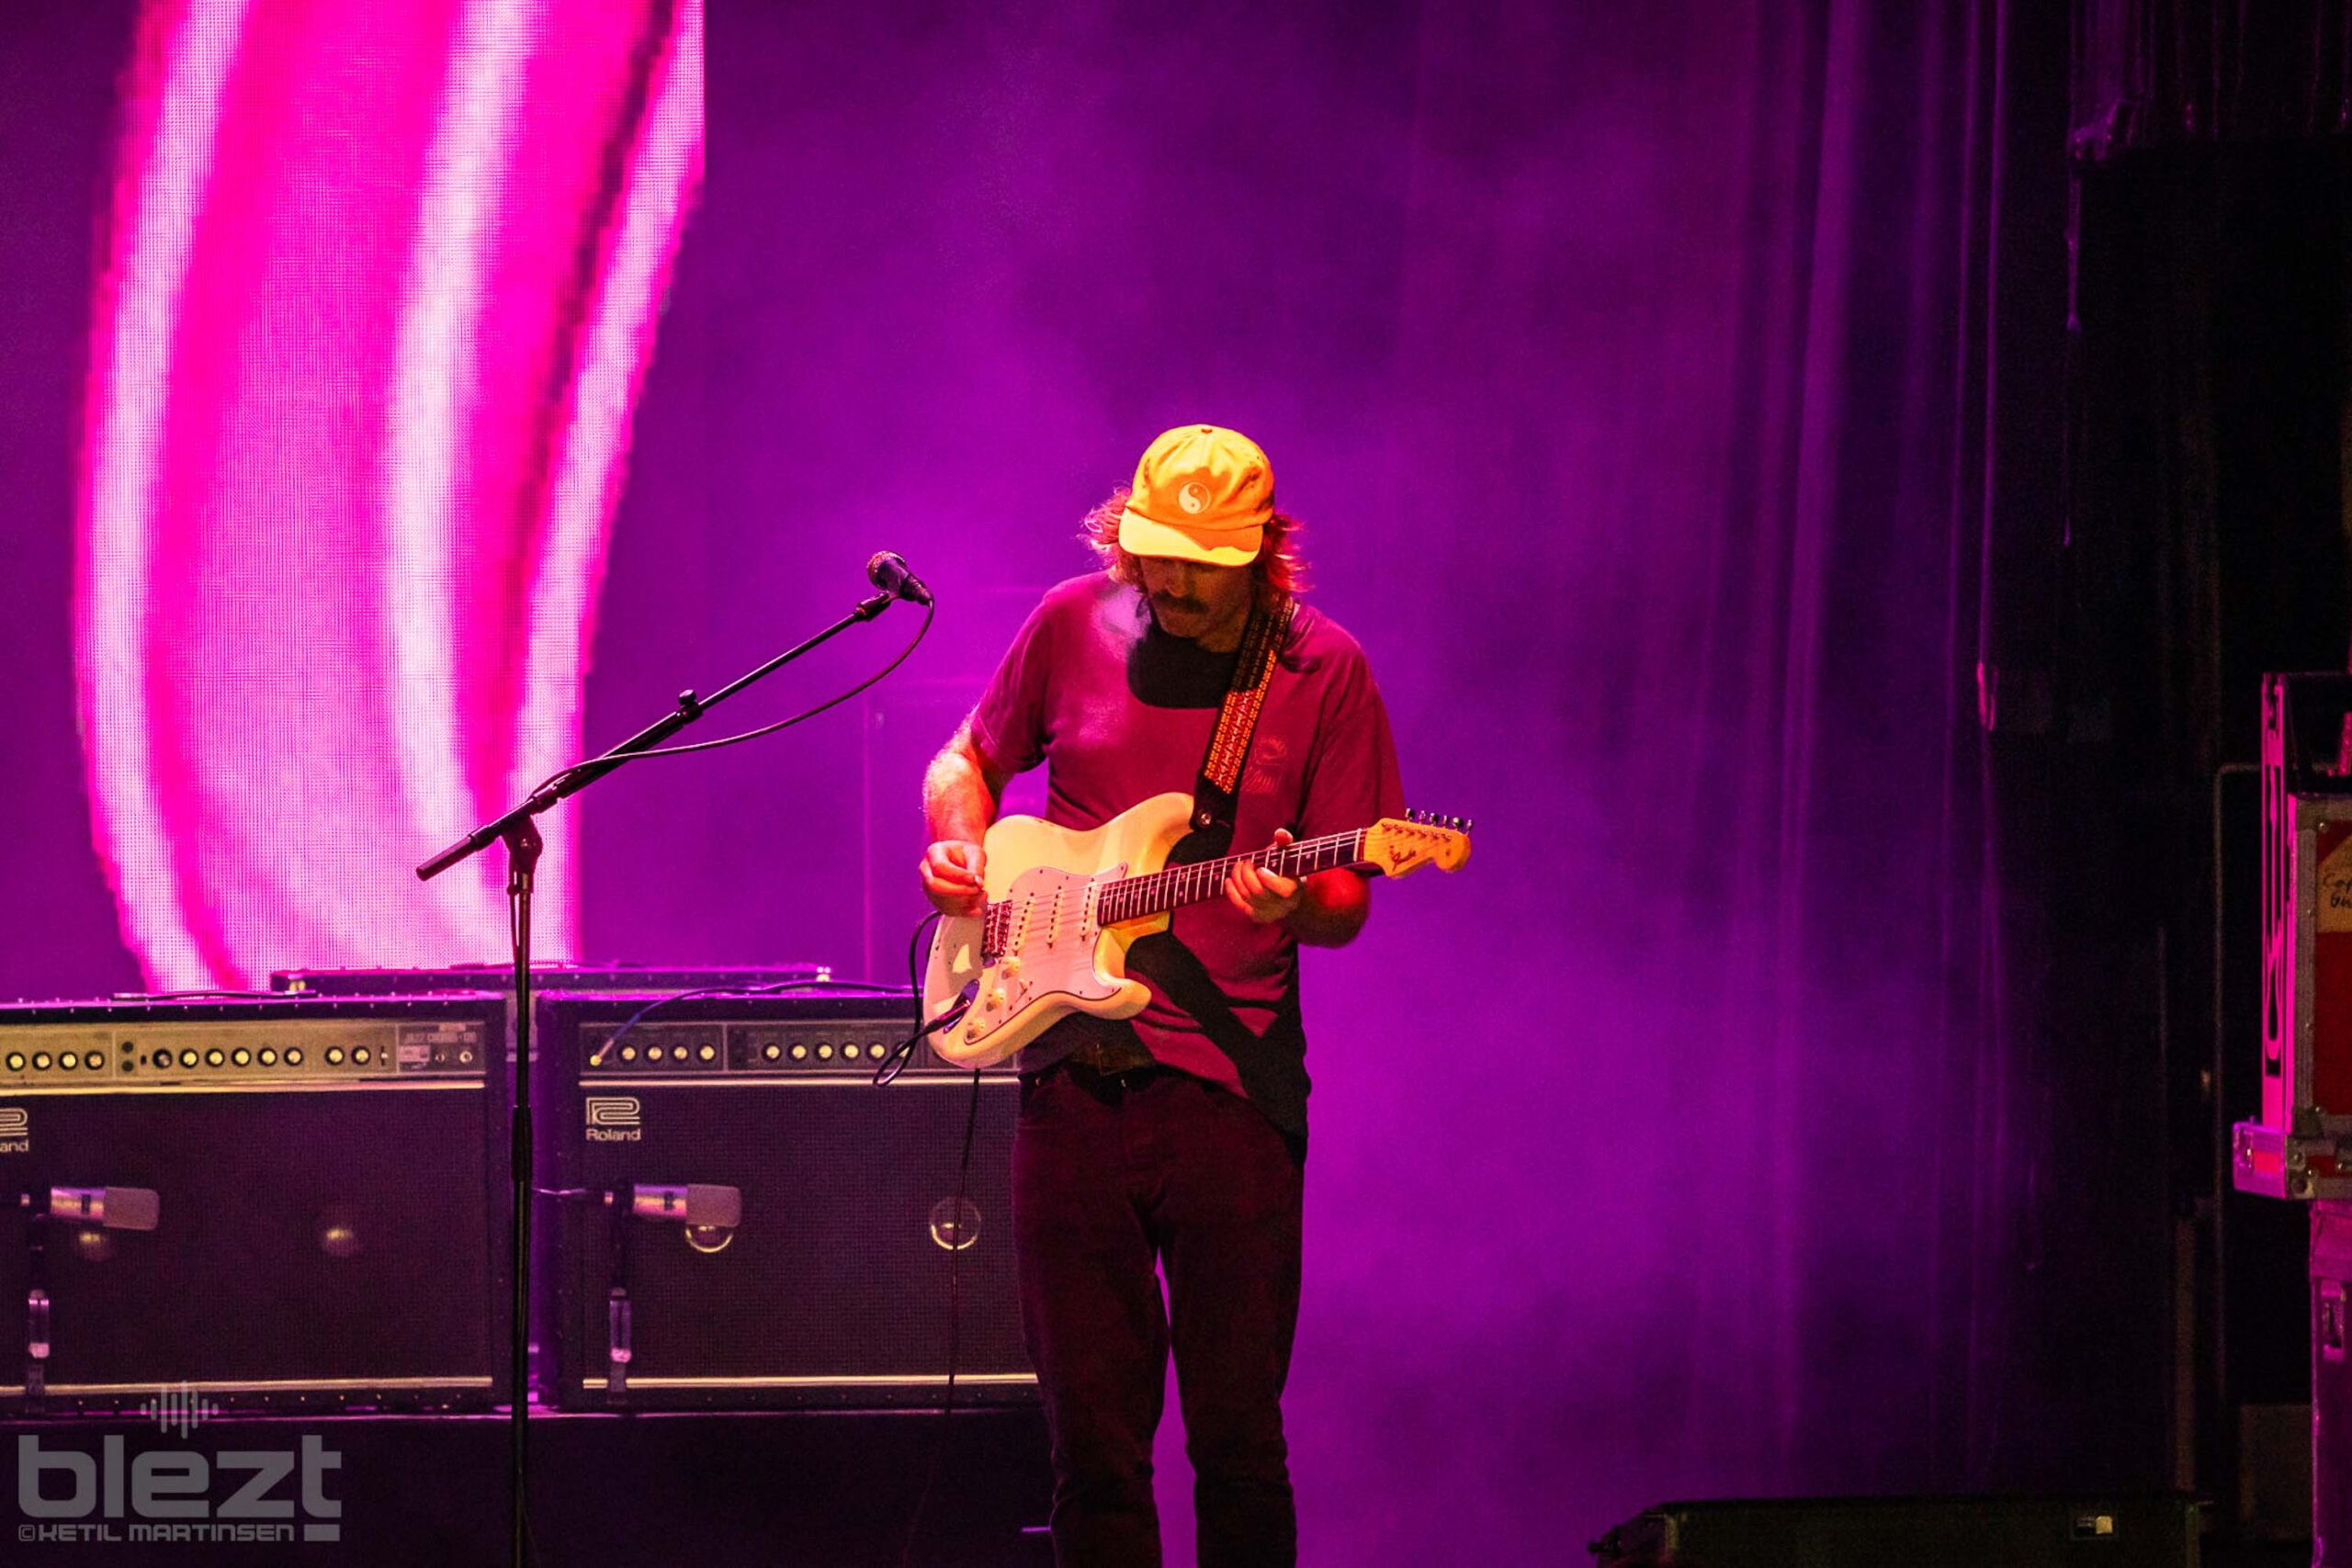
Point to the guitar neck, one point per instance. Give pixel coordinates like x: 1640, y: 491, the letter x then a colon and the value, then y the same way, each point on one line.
x: 1155, y: 893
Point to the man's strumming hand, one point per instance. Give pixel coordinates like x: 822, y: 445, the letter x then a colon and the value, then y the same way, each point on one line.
x: 952, y: 872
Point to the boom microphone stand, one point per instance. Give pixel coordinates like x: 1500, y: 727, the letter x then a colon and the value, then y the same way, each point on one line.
x: 519, y: 832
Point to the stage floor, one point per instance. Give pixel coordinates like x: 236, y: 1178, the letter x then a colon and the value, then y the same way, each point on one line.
x: 710, y: 1490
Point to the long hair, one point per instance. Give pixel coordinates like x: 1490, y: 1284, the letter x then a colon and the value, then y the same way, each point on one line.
x: 1280, y: 567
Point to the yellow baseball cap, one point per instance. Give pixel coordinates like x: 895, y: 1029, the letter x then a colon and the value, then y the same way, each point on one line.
x: 1202, y: 493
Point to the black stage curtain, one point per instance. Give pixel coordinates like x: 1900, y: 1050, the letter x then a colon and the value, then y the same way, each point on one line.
x: 2207, y: 545
x: 2156, y: 73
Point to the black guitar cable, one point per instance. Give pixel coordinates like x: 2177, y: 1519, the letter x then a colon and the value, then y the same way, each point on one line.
x: 956, y: 1239
x: 896, y: 1061
x: 955, y: 1323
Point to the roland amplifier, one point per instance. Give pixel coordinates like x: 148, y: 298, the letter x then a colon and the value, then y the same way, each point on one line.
x: 735, y: 1216
x: 253, y: 1203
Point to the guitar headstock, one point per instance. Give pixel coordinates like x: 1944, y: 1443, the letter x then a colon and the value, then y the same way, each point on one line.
x: 1420, y: 837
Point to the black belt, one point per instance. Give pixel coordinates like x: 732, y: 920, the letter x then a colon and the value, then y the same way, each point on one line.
x: 1112, y: 1057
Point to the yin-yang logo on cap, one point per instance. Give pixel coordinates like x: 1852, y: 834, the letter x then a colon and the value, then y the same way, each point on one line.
x: 1194, y: 498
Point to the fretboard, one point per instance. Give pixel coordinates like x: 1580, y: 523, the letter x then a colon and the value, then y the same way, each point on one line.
x: 1132, y: 897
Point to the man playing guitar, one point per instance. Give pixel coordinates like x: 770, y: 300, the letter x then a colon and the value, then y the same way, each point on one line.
x: 1175, y: 1139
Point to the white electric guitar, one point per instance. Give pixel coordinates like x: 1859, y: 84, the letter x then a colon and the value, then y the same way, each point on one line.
x: 1063, y: 907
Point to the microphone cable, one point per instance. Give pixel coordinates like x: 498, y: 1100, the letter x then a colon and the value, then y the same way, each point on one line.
x: 765, y: 729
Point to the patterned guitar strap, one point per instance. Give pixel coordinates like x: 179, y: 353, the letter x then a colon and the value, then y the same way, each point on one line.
x: 1215, y: 792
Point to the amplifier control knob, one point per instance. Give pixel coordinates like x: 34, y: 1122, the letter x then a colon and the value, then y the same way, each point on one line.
x: 653, y: 1053
x: 242, y: 1057
x: 708, y: 1054
x: 68, y: 1060
x: 824, y: 1053
x: 771, y: 1052
x: 800, y: 1053
x: 214, y: 1057
x: 361, y: 1055
x: 269, y: 1055
x: 41, y: 1061
x: 162, y: 1059
x: 293, y: 1056
x: 334, y: 1056
x: 17, y: 1062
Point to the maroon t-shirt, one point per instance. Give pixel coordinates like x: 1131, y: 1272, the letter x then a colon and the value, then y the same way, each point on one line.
x: 1119, y: 712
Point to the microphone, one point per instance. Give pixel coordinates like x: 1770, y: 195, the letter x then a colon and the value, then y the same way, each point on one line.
x: 701, y: 1205
x: 889, y: 572
x: 108, y: 1208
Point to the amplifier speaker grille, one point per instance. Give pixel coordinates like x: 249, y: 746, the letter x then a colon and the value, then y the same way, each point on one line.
x: 834, y: 1289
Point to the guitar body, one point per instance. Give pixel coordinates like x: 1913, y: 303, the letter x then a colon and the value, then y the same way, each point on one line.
x: 1055, y: 958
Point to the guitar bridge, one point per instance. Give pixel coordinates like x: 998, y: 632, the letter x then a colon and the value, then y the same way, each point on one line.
x: 994, y: 932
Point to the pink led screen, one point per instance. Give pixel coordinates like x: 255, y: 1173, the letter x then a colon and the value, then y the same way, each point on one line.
x: 380, y: 285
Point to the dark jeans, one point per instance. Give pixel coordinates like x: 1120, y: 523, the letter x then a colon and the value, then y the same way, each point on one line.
x: 1109, y: 1173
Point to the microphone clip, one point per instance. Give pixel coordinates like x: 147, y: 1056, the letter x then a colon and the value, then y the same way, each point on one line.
x: 889, y: 572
